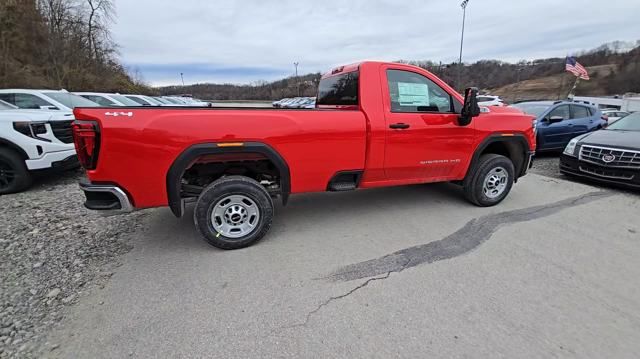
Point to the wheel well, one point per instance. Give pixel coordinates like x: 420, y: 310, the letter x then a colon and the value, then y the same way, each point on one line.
x: 206, y: 169
x: 512, y: 149
x: 6, y: 144
x: 200, y: 165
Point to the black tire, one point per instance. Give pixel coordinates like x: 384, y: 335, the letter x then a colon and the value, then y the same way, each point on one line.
x: 475, y: 180
x: 222, y: 189
x: 14, y: 175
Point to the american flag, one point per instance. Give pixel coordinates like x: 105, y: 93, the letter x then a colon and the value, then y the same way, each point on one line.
x: 575, y: 68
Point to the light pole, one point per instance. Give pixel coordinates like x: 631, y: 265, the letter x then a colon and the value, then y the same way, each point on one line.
x: 297, y: 80
x: 464, y: 16
x: 182, y: 77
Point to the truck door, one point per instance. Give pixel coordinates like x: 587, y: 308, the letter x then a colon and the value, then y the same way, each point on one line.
x: 423, y: 142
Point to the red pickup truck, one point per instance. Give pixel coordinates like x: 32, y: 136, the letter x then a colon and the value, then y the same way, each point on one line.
x: 375, y: 124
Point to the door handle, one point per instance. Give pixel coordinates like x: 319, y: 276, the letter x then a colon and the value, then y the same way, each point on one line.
x: 399, y: 126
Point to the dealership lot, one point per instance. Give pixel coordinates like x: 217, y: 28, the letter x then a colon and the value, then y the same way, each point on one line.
x: 408, y: 271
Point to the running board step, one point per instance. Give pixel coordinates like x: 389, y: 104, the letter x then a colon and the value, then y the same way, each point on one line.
x: 345, y: 181
x: 345, y: 186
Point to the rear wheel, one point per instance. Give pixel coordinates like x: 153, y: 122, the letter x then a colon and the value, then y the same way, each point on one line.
x: 14, y: 175
x: 490, y: 180
x: 233, y: 212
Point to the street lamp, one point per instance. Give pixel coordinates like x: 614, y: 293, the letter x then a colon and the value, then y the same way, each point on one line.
x: 297, y: 80
x: 464, y: 16
x: 182, y: 77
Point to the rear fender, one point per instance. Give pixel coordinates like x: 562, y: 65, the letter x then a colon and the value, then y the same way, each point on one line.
x: 188, y: 156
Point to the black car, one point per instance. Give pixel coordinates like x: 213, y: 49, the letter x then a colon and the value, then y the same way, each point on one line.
x: 611, y: 155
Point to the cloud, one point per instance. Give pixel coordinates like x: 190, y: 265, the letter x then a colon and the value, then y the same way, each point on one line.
x: 249, y: 40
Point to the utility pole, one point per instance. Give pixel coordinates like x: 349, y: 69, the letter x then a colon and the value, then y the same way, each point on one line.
x: 182, y: 77
x: 464, y: 16
x: 517, y: 87
x: 297, y: 79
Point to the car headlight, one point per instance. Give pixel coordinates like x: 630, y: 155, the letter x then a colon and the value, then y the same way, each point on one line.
x: 571, y: 148
x: 32, y: 129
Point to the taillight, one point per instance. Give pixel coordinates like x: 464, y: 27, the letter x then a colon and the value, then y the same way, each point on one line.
x: 86, y: 137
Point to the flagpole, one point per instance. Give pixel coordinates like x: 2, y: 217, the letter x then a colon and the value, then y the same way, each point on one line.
x: 575, y: 84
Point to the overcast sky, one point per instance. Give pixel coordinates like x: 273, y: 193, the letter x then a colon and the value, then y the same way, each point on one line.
x: 248, y: 40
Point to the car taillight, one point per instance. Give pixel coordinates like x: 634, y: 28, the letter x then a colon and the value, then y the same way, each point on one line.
x: 86, y: 137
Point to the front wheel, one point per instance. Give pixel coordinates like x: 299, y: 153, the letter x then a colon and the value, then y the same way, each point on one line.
x: 233, y: 212
x: 489, y: 181
x: 14, y: 175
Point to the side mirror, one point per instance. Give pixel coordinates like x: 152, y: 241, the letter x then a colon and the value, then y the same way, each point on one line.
x: 555, y: 119
x: 470, y: 108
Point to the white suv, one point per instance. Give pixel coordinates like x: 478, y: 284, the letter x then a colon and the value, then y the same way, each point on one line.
x: 59, y: 100
x: 488, y: 100
x: 33, y: 140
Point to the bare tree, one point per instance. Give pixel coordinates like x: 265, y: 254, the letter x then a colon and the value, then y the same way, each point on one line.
x: 101, y: 14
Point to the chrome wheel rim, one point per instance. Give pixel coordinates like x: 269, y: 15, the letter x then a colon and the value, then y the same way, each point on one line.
x: 235, y: 216
x: 7, y: 174
x: 495, y: 182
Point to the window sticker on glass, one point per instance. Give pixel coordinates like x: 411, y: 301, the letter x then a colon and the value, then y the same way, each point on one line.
x: 413, y: 94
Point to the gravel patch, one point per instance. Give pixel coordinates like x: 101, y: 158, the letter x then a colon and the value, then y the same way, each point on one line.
x: 52, y: 252
x: 547, y: 165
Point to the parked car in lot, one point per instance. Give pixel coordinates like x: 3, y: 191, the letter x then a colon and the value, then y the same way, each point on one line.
x: 144, y: 100
x: 614, y: 115
x: 107, y: 99
x: 279, y: 102
x: 611, y: 155
x: 60, y: 100
x: 488, y: 100
x: 376, y: 124
x: 190, y: 101
x: 560, y: 121
x: 32, y: 140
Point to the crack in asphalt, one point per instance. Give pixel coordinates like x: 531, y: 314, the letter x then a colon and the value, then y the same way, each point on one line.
x: 466, y: 239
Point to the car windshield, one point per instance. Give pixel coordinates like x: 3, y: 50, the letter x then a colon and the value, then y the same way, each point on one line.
x: 172, y: 101
x: 535, y: 109
x: 627, y: 123
x: 70, y: 100
x: 124, y: 100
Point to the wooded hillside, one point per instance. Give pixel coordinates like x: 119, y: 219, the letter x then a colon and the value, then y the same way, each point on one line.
x: 60, y: 44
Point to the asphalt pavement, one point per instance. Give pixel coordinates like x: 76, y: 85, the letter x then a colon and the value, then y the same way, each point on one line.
x: 413, y: 272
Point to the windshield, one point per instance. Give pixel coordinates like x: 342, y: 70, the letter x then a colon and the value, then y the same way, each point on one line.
x: 171, y: 101
x: 70, y: 100
x: 152, y: 101
x: 628, y: 123
x: 124, y: 100
x: 6, y: 106
x: 164, y: 101
x: 535, y: 109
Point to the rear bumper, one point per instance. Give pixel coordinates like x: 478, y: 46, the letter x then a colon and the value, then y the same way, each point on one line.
x: 622, y: 177
x: 105, y: 197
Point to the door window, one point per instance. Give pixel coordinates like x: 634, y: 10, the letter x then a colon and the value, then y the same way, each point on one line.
x: 560, y: 111
x: 411, y: 92
x: 580, y: 112
x: 25, y: 101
